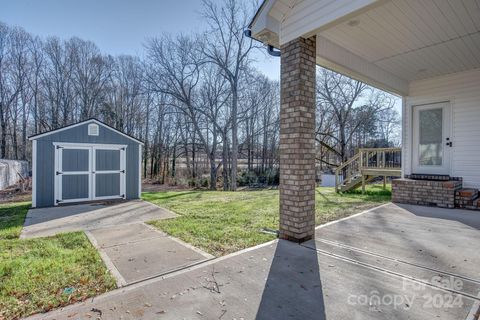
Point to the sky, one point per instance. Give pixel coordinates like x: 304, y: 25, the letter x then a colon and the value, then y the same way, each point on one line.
x: 115, y: 26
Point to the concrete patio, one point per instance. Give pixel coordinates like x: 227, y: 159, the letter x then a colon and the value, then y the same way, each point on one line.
x: 389, y: 263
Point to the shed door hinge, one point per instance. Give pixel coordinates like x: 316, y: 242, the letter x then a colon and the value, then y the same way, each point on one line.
x: 58, y: 173
x: 122, y: 171
x: 58, y: 147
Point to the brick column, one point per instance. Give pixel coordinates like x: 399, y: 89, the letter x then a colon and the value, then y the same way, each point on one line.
x: 297, y: 140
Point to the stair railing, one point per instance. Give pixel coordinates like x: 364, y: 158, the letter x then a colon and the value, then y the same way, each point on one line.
x: 381, y: 158
x: 368, y: 158
x: 350, y: 167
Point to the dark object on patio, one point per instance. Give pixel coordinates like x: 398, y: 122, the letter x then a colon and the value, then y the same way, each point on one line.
x: 432, y: 177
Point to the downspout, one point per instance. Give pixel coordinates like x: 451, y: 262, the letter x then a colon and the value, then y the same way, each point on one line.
x: 270, y: 49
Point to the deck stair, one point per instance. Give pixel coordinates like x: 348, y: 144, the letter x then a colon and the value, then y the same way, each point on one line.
x: 467, y: 198
x: 365, y: 166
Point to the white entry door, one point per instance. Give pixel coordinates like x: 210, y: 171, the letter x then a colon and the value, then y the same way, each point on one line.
x: 85, y: 172
x: 432, y: 142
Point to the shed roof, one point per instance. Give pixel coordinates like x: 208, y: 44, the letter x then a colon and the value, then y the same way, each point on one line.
x: 92, y: 120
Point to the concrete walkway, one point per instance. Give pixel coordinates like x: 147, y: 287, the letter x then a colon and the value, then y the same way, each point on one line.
x: 44, y: 222
x: 136, y: 252
x: 389, y: 263
x: 132, y: 250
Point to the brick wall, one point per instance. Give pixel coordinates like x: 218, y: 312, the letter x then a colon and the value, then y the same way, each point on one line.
x: 426, y: 192
x: 467, y: 198
x: 297, y: 140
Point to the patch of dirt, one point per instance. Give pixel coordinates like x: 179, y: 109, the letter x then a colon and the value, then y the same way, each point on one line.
x: 15, y: 194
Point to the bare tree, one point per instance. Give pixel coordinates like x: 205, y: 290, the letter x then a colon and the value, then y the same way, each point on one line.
x: 348, y: 116
x: 226, y: 46
x: 176, y: 72
x: 91, y: 73
x: 214, y: 98
x: 34, y: 80
x: 58, y: 82
x: 7, y: 93
x: 338, y: 95
x: 196, y: 101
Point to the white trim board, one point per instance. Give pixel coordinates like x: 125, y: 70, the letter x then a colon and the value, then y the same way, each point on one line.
x: 140, y: 166
x: 89, y: 145
x: 41, y: 135
x: 34, y: 173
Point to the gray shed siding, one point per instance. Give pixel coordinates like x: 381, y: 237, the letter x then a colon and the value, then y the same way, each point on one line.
x: 45, y: 174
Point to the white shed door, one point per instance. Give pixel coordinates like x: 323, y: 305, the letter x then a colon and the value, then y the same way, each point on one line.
x: 108, y: 172
x: 431, y: 139
x: 86, y: 172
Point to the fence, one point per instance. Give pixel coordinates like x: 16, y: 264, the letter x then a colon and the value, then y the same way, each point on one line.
x: 12, y: 172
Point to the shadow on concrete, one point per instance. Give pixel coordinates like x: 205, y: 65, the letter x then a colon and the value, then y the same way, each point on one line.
x: 41, y: 215
x: 293, y: 289
x: 467, y: 217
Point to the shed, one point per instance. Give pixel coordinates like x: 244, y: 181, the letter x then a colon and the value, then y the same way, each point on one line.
x: 85, y: 161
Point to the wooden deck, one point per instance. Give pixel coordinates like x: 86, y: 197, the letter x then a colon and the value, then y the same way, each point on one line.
x: 367, y: 165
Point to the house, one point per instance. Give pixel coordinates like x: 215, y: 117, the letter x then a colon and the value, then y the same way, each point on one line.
x: 427, y: 52
x: 84, y: 161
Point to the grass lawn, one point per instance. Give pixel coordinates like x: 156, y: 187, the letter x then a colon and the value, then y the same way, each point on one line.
x: 36, y: 274
x: 224, y: 222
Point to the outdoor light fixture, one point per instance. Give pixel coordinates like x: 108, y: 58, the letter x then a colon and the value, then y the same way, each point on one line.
x: 270, y: 49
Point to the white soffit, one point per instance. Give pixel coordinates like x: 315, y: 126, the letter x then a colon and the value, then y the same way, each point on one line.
x: 414, y: 39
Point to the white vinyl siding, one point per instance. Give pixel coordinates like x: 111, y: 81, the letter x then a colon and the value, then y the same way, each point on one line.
x: 463, y: 91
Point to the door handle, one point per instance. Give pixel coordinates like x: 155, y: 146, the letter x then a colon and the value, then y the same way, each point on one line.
x: 450, y: 143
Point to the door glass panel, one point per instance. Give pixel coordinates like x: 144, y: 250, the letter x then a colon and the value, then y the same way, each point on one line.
x: 107, y: 160
x: 107, y: 184
x: 74, y: 186
x: 75, y: 160
x: 430, y: 137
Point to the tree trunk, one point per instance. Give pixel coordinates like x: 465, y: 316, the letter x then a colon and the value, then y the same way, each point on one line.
x: 146, y: 146
x: 194, y: 172
x: 226, y: 184
x: 233, y: 182
x: 3, y: 137
x: 174, y: 160
x: 213, y: 173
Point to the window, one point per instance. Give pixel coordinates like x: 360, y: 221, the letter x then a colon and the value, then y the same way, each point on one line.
x: 93, y: 129
x: 430, y: 146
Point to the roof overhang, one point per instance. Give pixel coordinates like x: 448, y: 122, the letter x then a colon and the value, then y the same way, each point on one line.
x: 92, y: 120
x: 384, y: 43
x: 264, y: 27
x: 279, y: 21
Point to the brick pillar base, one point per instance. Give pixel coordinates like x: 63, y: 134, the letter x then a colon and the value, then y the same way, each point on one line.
x: 297, y: 140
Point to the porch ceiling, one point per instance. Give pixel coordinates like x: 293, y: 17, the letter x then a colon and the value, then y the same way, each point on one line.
x: 414, y: 39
